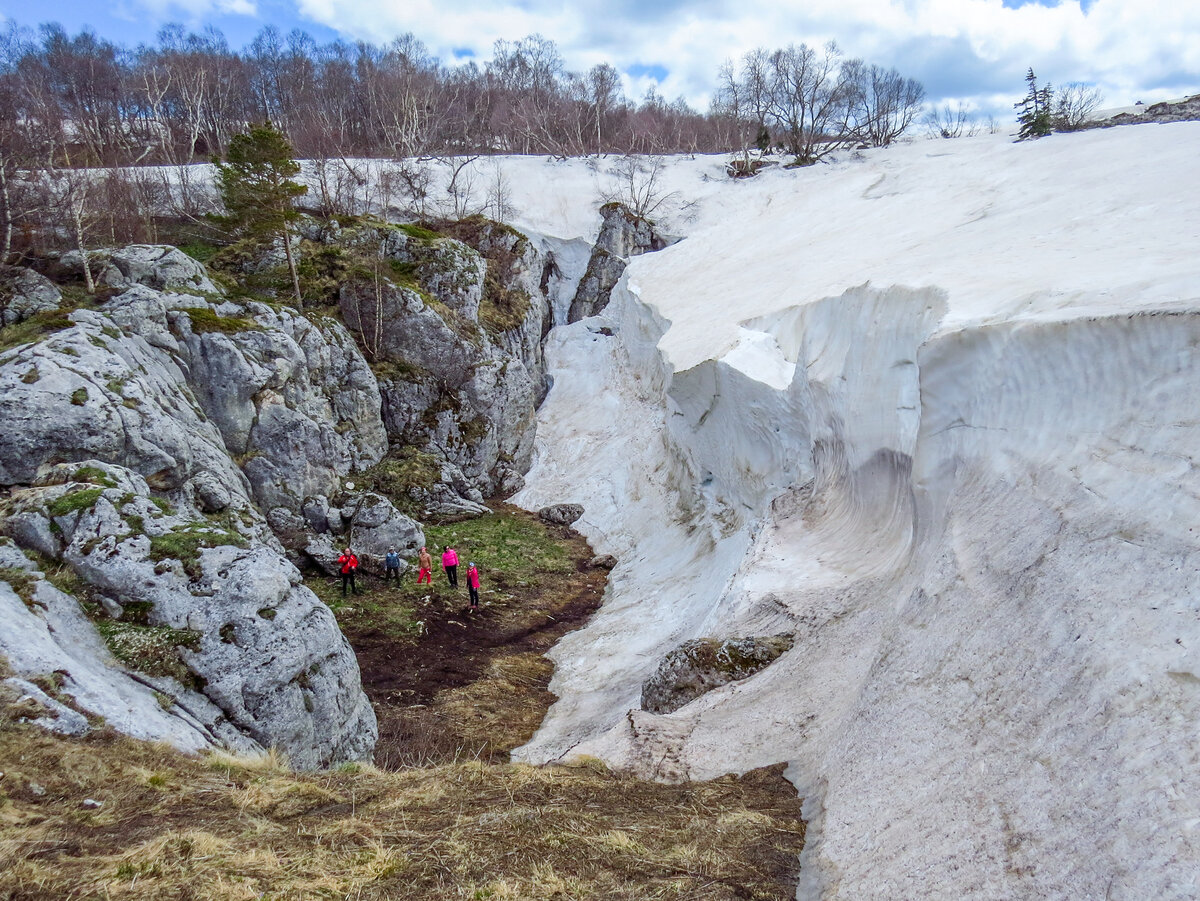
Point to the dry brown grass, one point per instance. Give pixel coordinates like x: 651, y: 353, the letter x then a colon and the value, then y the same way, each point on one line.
x: 175, y: 827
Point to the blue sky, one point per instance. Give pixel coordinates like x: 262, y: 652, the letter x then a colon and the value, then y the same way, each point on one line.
x: 971, y: 50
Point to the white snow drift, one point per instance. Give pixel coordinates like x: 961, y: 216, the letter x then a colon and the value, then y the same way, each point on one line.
x: 932, y: 409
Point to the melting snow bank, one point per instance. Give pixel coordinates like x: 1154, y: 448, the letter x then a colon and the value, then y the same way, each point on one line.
x: 978, y: 523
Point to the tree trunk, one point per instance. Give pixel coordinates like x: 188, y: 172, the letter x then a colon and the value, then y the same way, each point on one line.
x: 6, y: 248
x: 291, y: 261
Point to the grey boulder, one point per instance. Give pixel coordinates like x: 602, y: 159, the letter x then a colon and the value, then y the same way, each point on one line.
x: 24, y: 292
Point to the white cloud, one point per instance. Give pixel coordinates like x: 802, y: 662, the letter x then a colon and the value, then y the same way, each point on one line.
x: 980, y: 49
x: 197, y: 10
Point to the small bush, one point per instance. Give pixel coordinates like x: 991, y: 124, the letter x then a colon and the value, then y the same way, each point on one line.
x: 79, y: 396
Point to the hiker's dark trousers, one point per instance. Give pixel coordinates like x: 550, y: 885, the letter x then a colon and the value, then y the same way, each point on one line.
x: 348, y: 580
x: 452, y: 575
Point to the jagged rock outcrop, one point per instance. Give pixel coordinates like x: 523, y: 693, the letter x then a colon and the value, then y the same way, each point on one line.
x: 153, y: 265
x: 455, y: 330
x: 266, y: 651
x: 93, y: 391
x: 47, y: 637
x: 623, y: 235
x: 115, y: 435
x: 292, y: 397
x: 698, y: 666
x: 1184, y: 110
x: 24, y: 292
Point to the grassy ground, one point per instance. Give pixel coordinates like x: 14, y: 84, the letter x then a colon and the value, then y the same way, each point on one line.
x: 449, y: 683
x: 445, y: 816
x: 170, y: 827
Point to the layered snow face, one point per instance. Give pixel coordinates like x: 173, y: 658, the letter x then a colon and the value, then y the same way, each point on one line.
x: 932, y: 412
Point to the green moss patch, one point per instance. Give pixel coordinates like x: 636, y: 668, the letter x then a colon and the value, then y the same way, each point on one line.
x: 420, y: 232
x: 93, y: 475
x: 205, y: 320
x: 185, y: 543
x: 33, y: 329
x: 74, y: 501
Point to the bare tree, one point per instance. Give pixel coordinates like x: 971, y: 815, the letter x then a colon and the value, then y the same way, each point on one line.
x: 1075, y: 105
x: 882, y: 103
x: 948, y: 121
x: 636, y: 182
x: 70, y: 195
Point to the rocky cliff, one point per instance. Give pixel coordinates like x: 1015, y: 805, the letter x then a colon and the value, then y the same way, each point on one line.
x: 173, y: 448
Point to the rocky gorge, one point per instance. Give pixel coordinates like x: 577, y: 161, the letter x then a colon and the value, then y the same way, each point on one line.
x: 177, y: 448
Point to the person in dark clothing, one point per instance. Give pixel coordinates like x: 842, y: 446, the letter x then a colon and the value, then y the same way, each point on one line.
x: 450, y: 565
x: 349, y: 564
x: 391, y: 565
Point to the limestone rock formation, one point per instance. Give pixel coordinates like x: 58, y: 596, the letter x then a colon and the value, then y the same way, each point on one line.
x: 24, y: 292
x: 561, y: 514
x: 623, y: 235
x: 154, y: 265
x: 454, y: 329
x: 264, y: 649
x: 701, y: 664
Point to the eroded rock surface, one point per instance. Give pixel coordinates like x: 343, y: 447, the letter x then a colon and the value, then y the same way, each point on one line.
x: 623, y: 235
x: 24, y: 292
x: 698, y: 666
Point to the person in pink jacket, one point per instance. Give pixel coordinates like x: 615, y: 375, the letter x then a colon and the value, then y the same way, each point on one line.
x: 450, y: 565
x: 473, y: 585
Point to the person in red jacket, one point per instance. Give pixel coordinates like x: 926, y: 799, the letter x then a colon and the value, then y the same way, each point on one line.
x: 349, y: 564
x: 450, y: 565
x: 473, y: 585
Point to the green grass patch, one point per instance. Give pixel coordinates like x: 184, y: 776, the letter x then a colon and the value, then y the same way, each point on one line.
x: 420, y: 232
x: 513, y: 550
x: 79, y: 396
x: 205, y: 320
x: 185, y: 543
x: 33, y: 329
x: 397, y: 475
x: 153, y: 650
x: 74, y: 501
x: 393, y: 608
x: 93, y: 475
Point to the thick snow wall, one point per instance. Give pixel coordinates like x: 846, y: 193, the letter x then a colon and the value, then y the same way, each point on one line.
x: 982, y: 539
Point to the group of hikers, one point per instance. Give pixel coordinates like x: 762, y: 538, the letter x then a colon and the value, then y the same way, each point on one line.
x: 391, y: 570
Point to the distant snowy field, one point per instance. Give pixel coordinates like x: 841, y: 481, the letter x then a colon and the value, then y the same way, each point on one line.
x: 932, y: 410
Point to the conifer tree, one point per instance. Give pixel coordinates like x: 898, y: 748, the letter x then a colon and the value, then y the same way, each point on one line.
x: 1036, y: 117
x: 256, y: 187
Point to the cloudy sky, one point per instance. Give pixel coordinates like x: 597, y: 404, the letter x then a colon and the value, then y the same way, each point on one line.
x: 977, y: 50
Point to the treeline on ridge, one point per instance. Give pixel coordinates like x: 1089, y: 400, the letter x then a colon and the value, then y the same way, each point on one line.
x: 70, y: 102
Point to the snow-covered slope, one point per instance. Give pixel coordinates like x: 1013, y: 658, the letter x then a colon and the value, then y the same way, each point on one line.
x: 930, y: 409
